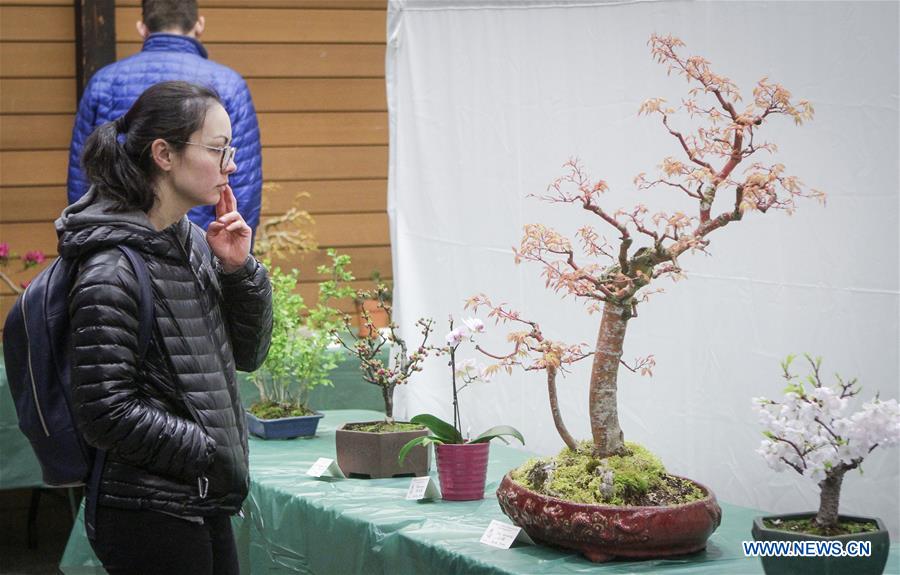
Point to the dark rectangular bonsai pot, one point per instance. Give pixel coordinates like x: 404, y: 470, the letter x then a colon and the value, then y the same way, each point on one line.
x: 374, y: 455
x: 824, y: 565
x: 284, y: 427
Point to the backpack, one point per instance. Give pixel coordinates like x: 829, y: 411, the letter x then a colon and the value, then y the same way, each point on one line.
x: 36, y: 345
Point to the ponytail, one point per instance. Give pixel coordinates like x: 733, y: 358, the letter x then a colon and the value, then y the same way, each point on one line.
x: 109, y: 167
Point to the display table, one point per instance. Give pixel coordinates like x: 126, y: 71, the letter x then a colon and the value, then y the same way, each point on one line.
x: 18, y: 466
x: 298, y: 524
x: 20, y: 469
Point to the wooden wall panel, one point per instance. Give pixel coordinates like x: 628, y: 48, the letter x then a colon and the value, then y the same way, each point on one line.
x: 326, y: 197
x: 316, y: 72
x: 281, y: 25
x: 204, y: 4
x: 293, y: 61
x: 37, y: 60
x: 318, y: 94
x: 33, y: 168
x: 323, y: 129
x: 37, y: 23
x: 35, y: 131
x: 324, y: 163
x: 31, y: 204
x: 37, y: 96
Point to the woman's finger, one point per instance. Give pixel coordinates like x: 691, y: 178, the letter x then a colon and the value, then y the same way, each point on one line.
x: 215, y: 228
x: 222, y: 205
x: 236, y: 226
x: 229, y: 218
x: 230, y: 200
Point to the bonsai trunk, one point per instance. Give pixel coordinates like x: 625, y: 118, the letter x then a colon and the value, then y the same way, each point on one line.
x: 829, y: 499
x: 387, y: 392
x: 608, y: 438
x: 554, y: 409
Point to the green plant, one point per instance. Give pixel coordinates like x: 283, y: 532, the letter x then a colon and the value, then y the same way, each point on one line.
x: 301, y: 355
x: 441, y: 431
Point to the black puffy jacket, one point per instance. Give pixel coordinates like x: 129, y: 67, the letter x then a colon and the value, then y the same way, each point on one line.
x: 173, y: 426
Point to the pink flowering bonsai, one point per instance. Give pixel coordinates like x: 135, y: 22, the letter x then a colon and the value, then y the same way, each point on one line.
x: 615, y: 272
x: 29, y: 260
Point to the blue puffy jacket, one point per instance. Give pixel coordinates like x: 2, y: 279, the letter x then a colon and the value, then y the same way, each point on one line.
x: 114, y: 88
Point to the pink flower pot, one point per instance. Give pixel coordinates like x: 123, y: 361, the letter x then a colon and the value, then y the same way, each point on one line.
x: 462, y: 470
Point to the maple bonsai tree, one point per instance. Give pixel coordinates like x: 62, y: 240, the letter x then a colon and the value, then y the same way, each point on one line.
x: 645, y: 247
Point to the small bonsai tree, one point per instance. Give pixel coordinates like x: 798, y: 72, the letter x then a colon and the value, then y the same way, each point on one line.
x: 811, y: 432
x: 368, y: 344
x: 645, y: 248
x: 300, y: 356
x: 285, y: 233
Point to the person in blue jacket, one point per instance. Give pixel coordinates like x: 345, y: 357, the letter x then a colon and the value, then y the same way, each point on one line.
x: 172, y: 51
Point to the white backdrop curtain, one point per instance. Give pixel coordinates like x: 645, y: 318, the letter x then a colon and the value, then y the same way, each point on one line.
x: 487, y: 100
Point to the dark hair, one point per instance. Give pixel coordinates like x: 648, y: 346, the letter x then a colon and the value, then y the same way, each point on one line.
x: 159, y: 15
x: 117, y: 156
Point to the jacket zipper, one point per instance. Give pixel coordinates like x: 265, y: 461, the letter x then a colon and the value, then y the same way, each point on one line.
x: 209, y: 327
x: 37, y: 402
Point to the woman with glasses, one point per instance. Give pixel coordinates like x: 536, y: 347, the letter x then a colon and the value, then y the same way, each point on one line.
x: 165, y: 418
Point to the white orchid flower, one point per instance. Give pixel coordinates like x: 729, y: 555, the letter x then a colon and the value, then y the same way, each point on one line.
x: 474, y: 324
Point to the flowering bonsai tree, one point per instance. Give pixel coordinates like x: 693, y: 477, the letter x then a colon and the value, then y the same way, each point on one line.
x: 811, y: 432
x: 368, y: 345
x: 643, y: 247
x: 29, y: 260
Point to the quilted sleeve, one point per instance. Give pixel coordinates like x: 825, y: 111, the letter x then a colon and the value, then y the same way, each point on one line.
x: 109, y: 410
x: 76, y: 182
x: 247, y: 296
x: 247, y: 181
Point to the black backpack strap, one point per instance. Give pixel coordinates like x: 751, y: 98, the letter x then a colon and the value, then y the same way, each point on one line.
x: 145, y: 329
x: 145, y: 304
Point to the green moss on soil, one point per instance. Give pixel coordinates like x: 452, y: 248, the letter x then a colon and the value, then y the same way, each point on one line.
x: 383, y: 427
x: 808, y: 527
x: 275, y: 410
x: 637, y: 478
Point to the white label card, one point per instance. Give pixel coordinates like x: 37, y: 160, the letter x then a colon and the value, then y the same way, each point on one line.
x: 503, y: 535
x: 324, y: 467
x: 422, y: 488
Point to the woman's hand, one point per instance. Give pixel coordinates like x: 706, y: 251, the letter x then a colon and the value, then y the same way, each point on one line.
x: 229, y: 235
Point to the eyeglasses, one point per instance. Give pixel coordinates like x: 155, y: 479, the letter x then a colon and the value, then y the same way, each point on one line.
x: 227, y: 152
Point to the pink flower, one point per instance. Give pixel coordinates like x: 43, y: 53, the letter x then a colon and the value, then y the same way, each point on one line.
x: 4, y: 250
x: 454, y: 337
x: 33, y: 258
x: 24, y: 284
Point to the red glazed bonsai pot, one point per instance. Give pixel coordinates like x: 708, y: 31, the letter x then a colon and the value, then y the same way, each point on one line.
x: 603, y: 532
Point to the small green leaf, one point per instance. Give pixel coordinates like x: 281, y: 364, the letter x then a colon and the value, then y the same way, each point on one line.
x: 499, y: 431
x: 424, y: 441
x: 443, y: 430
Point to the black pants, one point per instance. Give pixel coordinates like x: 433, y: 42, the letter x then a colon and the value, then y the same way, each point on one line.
x: 153, y: 543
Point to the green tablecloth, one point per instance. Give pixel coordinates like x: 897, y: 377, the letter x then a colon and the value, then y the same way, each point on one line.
x: 18, y: 466
x: 297, y: 524
x: 20, y: 469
